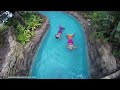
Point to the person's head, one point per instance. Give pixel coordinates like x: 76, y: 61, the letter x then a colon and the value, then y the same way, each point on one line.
x: 57, y: 36
x: 69, y: 36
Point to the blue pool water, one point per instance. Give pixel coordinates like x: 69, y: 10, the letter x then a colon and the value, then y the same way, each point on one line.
x: 53, y: 60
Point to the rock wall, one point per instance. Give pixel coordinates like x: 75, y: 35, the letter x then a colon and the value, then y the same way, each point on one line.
x: 4, y: 50
x: 101, y: 60
x: 19, y: 58
x: 115, y: 75
x: 32, y: 46
x: 15, y: 55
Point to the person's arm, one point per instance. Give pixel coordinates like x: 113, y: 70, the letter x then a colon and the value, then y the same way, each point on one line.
x: 74, y: 34
x: 75, y: 46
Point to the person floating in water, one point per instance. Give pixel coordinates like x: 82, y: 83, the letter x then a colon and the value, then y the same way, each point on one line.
x: 58, y: 35
x: 70, y: 42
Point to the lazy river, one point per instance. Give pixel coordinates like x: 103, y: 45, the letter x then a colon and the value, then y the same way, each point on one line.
x: 52, y: 59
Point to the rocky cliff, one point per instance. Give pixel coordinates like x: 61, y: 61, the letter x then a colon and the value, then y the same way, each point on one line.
x: 18, y: 60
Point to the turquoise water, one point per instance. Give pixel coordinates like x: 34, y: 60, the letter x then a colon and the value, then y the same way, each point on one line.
x: 53, y: 60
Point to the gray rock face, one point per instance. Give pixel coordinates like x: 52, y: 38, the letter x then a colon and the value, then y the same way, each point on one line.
x: 108, y: 60
x: 101, y: 60
x: 14, y: 57
x: 3, y: 51
x: 115, y: 75
x: 18, y: 60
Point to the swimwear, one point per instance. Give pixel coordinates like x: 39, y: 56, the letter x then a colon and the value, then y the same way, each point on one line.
x: 70, y: 36
x: 60, y: 30
x: 70, y: 41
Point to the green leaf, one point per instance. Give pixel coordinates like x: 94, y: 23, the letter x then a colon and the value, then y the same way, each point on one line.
x: 118, y: 27
x: 106, y: 39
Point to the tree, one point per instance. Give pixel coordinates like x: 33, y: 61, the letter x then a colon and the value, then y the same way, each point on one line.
x: 4, y: 15
x: 107, y: 25
x: 17, y: 16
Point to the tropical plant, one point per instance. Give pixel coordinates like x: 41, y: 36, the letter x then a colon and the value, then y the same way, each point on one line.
x: 25, y: 23
x: 24, y: 34
x: 106, y: 26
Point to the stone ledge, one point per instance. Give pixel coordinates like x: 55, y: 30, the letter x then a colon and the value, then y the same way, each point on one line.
x: 32, y: 46
x: 113, y: 76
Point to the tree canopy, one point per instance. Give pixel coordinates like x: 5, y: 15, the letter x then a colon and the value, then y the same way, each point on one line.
x: 107, y: 25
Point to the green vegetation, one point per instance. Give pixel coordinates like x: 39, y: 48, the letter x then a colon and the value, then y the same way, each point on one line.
x: 25, y: 33
x: 3, y: 28
x: 106, y: 26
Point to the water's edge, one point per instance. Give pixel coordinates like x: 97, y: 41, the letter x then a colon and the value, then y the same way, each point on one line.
x: 85, y: 42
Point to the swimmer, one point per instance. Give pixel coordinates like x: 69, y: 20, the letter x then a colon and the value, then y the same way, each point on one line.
x: 70, y: 42
x: 59, y: 32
